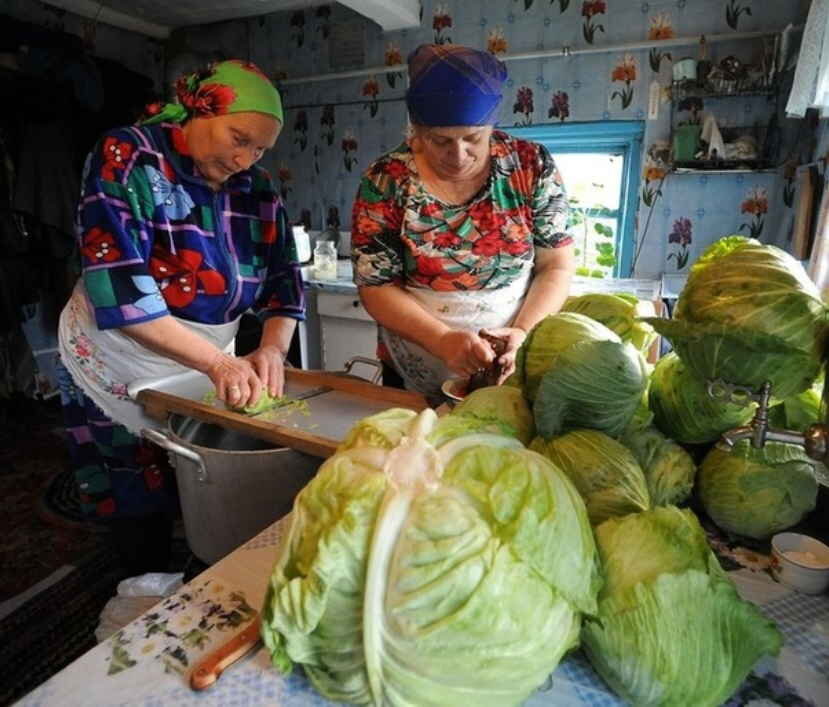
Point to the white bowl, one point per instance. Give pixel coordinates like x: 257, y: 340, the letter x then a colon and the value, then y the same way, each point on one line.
x: 455, y: 388
x: 800, y: 562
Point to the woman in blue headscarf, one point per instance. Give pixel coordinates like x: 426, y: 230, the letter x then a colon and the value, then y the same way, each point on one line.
x: 460, y: 229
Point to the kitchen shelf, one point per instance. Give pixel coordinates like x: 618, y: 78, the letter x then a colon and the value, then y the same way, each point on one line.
x: 721, y: 166
x: 684, y: 170
x: 680, y: 92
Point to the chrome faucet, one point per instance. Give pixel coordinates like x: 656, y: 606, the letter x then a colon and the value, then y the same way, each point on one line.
x: 815, y: 440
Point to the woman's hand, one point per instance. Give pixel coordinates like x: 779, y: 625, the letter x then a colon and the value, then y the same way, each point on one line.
x: 236, y: 380
x: 268, y: 363
x: 514, y: 337
x: 463, y: 352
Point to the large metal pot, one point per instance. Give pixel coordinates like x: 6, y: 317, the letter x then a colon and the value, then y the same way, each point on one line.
x: 231, y: 486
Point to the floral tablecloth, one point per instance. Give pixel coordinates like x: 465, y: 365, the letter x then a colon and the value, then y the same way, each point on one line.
x: 148, y: 662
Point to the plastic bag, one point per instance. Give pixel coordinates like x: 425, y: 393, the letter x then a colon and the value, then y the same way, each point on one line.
x: 135, y: 595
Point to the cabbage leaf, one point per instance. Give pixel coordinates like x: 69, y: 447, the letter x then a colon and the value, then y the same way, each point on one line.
x: 618, y: 312
x: 672, y: 630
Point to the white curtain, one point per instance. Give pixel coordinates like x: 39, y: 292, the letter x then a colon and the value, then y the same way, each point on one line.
x: 810, y: 88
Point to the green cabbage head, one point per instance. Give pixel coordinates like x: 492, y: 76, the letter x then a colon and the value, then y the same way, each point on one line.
x: 502, y: 404
x: 618, y: 312
x: 605, y: 472
x: 669, y: 469
x: 672, y: 630
x: 432, y: 576
x: 747, y: 314
x: 682, y: 408
x: 550, y: 338
x: 757, y: 492
x: 578, y: 373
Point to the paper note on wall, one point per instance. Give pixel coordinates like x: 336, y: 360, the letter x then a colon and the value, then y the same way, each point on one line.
x: 654, y: 94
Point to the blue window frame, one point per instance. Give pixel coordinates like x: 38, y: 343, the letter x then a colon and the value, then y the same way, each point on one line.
x: 613, y: 136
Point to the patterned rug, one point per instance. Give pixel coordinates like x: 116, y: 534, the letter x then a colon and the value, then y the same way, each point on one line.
x: 42, y: 530
x: 36, y: 538
x: 56, y: 626
x: 59, y: 504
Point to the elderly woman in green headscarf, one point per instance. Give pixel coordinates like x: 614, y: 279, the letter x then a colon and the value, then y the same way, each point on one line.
x: 179, y: 233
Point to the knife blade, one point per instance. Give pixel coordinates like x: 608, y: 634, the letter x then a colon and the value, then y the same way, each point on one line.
x: 209, y: 668
x: 313, y: 392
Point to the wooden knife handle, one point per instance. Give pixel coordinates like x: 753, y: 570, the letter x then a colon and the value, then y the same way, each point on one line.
x: 208, y: 670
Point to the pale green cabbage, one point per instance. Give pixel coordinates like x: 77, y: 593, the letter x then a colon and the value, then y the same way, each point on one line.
x: 265, y: 403
x: 605, y: 472
x: 503, y: 404
x: 618, y: 312
x: 682, y: 408
x: 450, y: 427
x: 385, y: 429
x: 799, y: 411
x: 672, y: 630
x: 669, y: 469
x: 426, y: 576
x: 749, y: 314
x: 757, y: 492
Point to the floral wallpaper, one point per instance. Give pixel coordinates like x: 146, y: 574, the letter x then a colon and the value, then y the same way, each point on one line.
x: 335, y: 128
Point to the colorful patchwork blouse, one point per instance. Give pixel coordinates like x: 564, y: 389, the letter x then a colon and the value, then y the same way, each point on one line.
x: 155, y: 239
x: 403, y: 234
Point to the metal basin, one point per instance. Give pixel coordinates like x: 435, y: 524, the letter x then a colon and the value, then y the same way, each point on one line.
x: 231, y: 486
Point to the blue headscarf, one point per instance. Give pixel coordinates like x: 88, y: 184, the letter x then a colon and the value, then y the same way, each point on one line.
x: 453, y: 85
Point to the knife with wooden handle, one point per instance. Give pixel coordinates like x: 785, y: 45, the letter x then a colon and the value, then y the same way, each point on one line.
x: 209, y: 668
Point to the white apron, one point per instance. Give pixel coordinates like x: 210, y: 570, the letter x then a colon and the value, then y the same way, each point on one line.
x: 471, y: 310
x: 104, y: 362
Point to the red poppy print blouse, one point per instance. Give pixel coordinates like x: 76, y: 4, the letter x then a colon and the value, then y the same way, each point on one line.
x: 403, y: 234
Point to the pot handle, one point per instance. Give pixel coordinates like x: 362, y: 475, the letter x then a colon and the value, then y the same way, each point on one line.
x: 163, y: 441
x: 374, y: 363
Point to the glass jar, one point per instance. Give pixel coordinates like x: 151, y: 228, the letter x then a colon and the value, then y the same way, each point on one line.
x: 325, y: 260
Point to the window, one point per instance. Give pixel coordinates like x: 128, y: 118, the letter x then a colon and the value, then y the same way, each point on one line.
x: 600, y: 164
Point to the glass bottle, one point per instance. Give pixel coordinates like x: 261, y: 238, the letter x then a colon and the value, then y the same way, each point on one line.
x: 325, y: 260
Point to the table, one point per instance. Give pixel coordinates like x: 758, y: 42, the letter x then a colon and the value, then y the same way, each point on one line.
x: 148, y: 662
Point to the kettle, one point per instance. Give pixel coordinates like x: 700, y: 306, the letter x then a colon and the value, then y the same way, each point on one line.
x: 303, y: 243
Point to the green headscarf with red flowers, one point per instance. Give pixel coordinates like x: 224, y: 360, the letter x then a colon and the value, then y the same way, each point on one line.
x: 232, y: 86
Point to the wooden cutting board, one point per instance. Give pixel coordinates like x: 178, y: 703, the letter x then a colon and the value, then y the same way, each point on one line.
x: 330, y: 414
